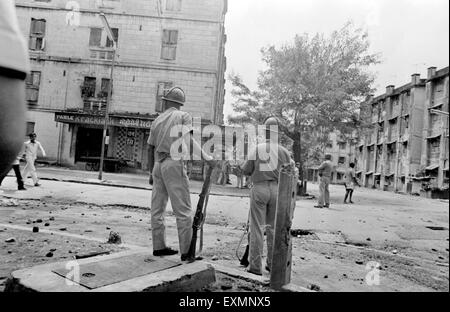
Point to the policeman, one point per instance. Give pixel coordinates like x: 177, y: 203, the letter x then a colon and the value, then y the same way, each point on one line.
x: 264, y: 165
x: 168, y: 175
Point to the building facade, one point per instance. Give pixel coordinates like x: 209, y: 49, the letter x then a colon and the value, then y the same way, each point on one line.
x: 342, y: 151
x: 403, y: 143
x: 160, y: 44
x: 390, y: 150
x: 434, y: 177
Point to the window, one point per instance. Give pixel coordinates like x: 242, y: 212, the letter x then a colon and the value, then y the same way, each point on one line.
x: 329, y: 145
x: 30, y: 128
x: 342, y: 145
x: 32, y: 82
x: 109, y: 43
x: 341, y: 160
x: 169, y: 44
x: 173, y: 5
x: 162, y: 88
x: 98, y: 38
x: 329, y: 156
x: 95, y: 37
x: 37, y: 34
x: 88, y: 87
x: 104, y: 88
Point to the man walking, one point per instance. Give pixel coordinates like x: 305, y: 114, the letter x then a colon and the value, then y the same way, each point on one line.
x: 16, y: 168
x: 264, y: 165
x: 31, y: 149
x: 350, y: 182
x: 168, y: 175
x: 325, y: 170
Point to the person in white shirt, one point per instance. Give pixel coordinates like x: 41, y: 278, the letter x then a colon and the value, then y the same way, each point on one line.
x: 14, y: 66
x: 31, y: 149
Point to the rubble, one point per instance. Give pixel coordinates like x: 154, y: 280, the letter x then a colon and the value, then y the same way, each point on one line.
x: 114, y: 238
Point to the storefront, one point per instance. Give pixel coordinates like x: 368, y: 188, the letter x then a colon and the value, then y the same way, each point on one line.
x: 126, y: 137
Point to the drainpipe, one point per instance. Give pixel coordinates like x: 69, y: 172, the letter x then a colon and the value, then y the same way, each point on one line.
x: 62, y: 125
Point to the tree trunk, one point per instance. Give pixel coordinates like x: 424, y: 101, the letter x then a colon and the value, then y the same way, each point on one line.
x: 297, y: 147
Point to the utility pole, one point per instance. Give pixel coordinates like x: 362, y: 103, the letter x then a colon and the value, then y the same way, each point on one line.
x: 108, y: 99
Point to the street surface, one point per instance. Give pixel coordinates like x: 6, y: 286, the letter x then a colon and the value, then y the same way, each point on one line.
x: 406, y: 237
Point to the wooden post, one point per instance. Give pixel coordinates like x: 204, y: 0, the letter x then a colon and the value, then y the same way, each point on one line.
x: 280, y: 273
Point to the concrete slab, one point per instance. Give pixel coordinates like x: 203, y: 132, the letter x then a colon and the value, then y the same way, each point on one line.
x: 184, y: 277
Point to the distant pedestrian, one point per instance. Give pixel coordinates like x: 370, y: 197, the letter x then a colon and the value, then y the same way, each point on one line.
x: 350, y: 182
x: 16, y: 168
x: 325, y: 170
x: 31, y: 148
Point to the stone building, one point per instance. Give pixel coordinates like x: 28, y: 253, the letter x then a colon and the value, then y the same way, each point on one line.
x: 402, y: 144
x: 342, y: 151
x: 160, y: 43
x: 405, y: 146
x: 435, y: 146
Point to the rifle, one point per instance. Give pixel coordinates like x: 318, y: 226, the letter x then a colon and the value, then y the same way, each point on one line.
x: 199, y: 217
x: 244, y: 260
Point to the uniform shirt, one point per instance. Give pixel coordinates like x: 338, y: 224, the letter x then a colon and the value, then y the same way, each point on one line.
x: 31, y: 149
x: 256, y: 166
x: 14, y: 51
x: 326, y: 168
x: 160, y: 136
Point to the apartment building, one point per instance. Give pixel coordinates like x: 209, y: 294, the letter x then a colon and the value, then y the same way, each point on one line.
x: 390, y: 151
x: 160, y: 44
x: 434, y: 176
x: 342, y: 151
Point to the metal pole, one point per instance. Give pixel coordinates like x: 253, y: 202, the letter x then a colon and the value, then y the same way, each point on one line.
x: 105, y: 124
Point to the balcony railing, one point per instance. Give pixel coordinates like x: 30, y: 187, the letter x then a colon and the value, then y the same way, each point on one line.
x: 95, y: 105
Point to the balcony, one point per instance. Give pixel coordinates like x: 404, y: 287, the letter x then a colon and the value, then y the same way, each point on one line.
x: 94, y: 105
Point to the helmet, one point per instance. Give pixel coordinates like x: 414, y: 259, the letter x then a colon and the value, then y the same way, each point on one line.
x: 175, y: 95
x: 271, y: 121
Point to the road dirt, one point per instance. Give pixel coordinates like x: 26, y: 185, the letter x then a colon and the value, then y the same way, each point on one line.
x: 328, y: 261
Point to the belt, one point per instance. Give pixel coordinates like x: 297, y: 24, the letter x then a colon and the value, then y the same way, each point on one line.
x: 162, y: 156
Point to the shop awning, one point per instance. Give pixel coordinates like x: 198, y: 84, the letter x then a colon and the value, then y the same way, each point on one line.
x: 369, y: 173
x: 432, y: 137
x: 388, y: 175
x: 358, y: 172
x: 115, y: 119
x: 392, y: 142
x: 432, y: 167
x: 377, y: 174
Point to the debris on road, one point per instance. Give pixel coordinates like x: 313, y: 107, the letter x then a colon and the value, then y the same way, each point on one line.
x: 35, y: 229
x: 10, y: 240
x: 215, y: 258
x: 360, y: 262
x: 49, y: 254
x: 314, y: 287
x: 114, y: 238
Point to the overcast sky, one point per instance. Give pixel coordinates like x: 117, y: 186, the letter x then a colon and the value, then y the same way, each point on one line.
x: 412, y: 35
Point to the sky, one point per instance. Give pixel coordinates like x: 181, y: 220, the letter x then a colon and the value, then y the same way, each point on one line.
x: 411, y: 35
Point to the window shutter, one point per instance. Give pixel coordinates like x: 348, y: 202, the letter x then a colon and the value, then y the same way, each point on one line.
x: 36, y: 79
x: 32, y: 43
x: 166, y: 36
x: 173, y: 36
x: 95, y: 37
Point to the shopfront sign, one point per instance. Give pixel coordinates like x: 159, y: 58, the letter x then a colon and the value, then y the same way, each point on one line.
x: 116, y: 121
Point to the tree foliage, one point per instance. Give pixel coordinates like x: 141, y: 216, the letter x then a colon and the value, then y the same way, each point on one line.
x: 314, y: 85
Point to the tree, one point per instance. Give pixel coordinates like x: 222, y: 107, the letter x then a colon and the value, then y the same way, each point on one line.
x: 313, y: 85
